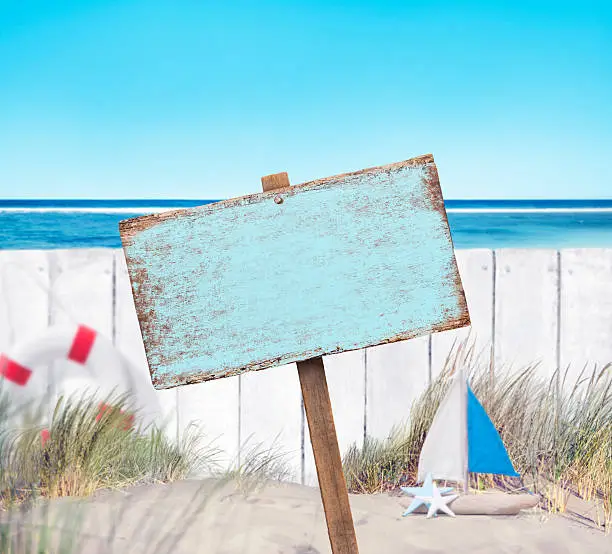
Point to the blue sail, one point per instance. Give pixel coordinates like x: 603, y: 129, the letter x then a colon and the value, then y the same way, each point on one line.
x: 486, y: 451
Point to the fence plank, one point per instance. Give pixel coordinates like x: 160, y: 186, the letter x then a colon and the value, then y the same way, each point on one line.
x: 586, y: 309
x: 213, y: 407
x: 128, y: 340
x: 81, y: 282
x: 24, y: 302
x: 526, y: 304
x: 345, y: 374
x: 476, y: 271
x: 396, y: 374
x: 270, y: 416
x: 24, y: 306
x: 82, y: 288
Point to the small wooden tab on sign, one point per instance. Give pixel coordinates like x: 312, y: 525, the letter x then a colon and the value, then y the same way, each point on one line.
x: 275, y: 181
x: 319, y: 415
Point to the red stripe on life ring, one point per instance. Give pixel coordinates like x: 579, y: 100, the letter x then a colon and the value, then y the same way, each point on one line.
x: 13, y: 371
x: 44, y: 437
x: 128, y: 419
x: 81, y: 346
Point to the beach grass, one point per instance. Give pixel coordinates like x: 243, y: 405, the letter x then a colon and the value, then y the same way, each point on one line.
x: 559, y: 438
x: 90, y: 449
x: 257, y: 465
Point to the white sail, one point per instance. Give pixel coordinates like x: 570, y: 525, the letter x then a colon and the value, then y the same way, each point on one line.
x: 444, y: 452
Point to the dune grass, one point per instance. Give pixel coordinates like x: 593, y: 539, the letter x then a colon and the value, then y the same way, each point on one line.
x: 258, y: 465
x: 88, y: 451
x: 85, y: 453
x: 559, y: 439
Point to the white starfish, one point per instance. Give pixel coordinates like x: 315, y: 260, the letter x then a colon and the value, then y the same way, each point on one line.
x: 425, y: 490
x: 438, y: 502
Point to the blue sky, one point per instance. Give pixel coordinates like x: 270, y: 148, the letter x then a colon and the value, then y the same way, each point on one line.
x: 118, y: 99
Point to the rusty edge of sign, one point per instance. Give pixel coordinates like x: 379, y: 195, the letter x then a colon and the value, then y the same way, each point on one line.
x: 172, y: 381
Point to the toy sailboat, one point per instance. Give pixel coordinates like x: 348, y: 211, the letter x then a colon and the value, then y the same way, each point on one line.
x: 463, y: 440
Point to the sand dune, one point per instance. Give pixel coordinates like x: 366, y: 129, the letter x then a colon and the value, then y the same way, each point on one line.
x: 211, y: 517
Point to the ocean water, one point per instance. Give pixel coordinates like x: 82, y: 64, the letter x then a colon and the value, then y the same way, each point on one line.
x: 44, y: 224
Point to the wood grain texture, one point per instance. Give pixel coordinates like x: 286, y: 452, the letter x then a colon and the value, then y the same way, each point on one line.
x: 342, y: 263
x: 327, y: 457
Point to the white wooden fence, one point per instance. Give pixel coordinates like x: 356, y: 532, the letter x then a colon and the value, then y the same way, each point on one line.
x: 552, y: 307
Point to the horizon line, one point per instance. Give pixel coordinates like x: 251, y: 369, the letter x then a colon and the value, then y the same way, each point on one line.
x: 189, y: 199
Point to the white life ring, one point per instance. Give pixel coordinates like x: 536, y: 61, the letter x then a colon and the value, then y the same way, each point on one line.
x: 91, y: 359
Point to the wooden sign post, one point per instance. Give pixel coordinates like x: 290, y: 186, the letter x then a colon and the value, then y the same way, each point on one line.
x: 320, y: 417
x: 290, y: 275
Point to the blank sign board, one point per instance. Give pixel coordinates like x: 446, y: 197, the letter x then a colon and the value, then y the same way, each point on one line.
x: 336, y: 264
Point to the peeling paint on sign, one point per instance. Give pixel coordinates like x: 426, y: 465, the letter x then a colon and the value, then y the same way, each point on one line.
x: 337, y: 264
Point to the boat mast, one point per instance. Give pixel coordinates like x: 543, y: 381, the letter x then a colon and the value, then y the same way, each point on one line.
x: 466, y: 475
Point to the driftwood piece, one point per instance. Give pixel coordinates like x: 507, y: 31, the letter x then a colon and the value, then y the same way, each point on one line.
x: 490, y: 504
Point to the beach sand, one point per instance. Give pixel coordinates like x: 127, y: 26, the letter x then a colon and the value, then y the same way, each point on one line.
x: 208, y: 516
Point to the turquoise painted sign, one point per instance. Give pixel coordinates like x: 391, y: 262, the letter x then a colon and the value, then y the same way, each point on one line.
x: 336, y: 264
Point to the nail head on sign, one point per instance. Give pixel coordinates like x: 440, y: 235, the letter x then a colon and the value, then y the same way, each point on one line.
x: 278, y: 199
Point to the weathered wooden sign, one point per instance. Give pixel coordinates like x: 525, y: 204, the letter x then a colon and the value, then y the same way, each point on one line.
x: 337, y: 264
x: 290, y: 275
